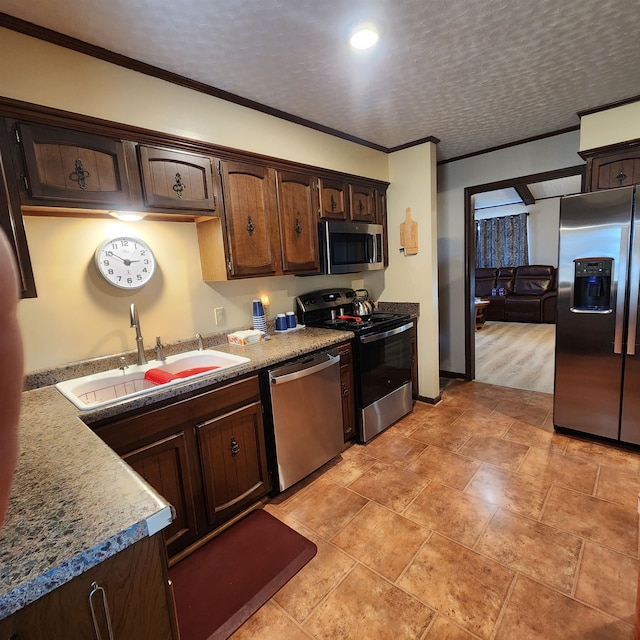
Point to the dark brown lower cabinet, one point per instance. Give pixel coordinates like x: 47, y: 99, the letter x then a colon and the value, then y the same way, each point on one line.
x: 347, y: 386
x: 205, y: 454
x: 133, y: 583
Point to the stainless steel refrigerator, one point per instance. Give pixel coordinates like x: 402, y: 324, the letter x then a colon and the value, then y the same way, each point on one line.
x: 597, y: 368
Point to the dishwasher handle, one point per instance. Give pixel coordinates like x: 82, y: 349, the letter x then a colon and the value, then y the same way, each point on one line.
x: 305, y: 371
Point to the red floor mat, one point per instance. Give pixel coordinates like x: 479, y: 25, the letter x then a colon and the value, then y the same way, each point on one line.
x: 219, y: 586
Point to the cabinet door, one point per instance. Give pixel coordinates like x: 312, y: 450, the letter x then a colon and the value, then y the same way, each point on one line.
x: 233, y: 461
x: 11, y: 217
x: 177, y: 179
x: 135, y: 588
x: 64, y: 167
x: 363, y: 202
x: 298, y: 206
x: 251, y: 219
x: 381, y: 218
x: 165, y: 466
x: 616, y: 170
x: 346, y: 384
x: 334, y: 199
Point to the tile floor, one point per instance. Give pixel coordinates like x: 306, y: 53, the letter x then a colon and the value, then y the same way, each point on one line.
x: 466, y: 520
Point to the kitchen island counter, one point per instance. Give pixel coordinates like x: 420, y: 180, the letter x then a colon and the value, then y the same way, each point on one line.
x: 74, y: 502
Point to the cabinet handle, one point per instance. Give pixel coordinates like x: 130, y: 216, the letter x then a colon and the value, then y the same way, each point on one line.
x: 621, y: 177
x: 179, y: 186
x: 360, y: 206
x: 79, y: 175
x: 95, y: 588
x: 250, y: 226
x: 334, y: 204
x: 298, y: 227
x: 235, y: 447
x: 345, y: 391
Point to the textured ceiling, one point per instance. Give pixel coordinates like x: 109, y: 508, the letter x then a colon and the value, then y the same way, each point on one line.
x: 473, y: 73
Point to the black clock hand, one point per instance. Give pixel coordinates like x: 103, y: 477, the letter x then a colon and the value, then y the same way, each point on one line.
x: 126, y: 261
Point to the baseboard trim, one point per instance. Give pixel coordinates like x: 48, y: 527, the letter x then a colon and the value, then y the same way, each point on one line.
x: 427, y: 399
x: 451, y: 374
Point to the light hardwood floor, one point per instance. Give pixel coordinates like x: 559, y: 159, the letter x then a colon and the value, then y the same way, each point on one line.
x: 516, y: 354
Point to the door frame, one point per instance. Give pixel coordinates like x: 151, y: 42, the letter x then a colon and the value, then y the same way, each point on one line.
x: 470, y: 248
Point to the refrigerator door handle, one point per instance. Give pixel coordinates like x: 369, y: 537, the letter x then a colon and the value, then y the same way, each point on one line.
x: 634, y: 289
x: 623, y: 265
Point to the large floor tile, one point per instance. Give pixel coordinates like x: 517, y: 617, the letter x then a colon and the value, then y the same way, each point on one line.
x: 465, y: 586
x: 351, y: 464
x: 270, y: 623
x: 605, y: 522
x: 392, y: 487
x: 451, y: 513
x: 365, y: 605
x: 443, y: 629
x: 381, y: 539
x: 542, y: 552
x: 604, y: 454
x: 515, y: 491
x: 444, y: 466
x: 608, y: 580
x: 536, y: 436
x: 560, y: 469
x: 394, y: 449
x: 503, y: 453
x: 483, y: 423
x: 445, y: 436
x: 618, y: 485
x: 536, y: 612
x: 324, y: 507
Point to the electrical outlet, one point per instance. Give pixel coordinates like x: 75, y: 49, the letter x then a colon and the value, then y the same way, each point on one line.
x: 218, y: 314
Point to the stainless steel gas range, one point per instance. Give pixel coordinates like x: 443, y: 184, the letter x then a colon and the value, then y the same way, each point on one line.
x: 382, y: 356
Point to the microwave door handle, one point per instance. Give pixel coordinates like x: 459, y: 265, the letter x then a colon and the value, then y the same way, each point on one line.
x: 370, y: 257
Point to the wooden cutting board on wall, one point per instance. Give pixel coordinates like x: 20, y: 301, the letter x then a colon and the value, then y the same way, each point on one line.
x: 409, y: 234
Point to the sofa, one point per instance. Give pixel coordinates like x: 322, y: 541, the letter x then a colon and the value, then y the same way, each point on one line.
x: 529, y: 293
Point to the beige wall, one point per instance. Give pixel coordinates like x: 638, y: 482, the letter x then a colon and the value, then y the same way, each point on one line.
x: 75, y: 316
x: 612, y: 126
x: 413, y: 278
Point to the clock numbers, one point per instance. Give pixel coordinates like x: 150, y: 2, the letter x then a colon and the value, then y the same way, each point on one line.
x: 127, y: 263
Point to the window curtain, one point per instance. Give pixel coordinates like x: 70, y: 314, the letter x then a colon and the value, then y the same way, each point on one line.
x: 502, y: 242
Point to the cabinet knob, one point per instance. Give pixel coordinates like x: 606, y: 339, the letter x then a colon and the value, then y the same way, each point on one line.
x: 235, y: 447
x: 621, y: 177
x: 334, y: 204
x: 298, y: 227
x: 345, y: 390
x: 79, y: 175
x: 179, y: 186
x: 250, y: 226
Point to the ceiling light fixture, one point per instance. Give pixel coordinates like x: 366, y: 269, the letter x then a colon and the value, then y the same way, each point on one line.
x: 364, y: 36
x: 127, y: 216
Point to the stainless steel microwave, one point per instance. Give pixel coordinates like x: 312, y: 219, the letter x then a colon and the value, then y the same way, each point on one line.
x: 350, y: 247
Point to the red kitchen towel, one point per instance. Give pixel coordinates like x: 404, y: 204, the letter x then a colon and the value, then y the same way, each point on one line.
x: 192, y: 372
x: 158, y: 376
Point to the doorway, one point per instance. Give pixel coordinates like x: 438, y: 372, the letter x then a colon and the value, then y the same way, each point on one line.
x: 551, y: 184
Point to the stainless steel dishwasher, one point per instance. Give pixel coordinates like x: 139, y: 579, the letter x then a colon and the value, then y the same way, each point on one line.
x: 306, y: 403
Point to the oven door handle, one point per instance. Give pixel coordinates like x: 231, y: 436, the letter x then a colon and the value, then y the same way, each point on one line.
x: 374, y: 337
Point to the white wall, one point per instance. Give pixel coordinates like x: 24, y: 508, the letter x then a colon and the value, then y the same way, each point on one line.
x: 535, y: 157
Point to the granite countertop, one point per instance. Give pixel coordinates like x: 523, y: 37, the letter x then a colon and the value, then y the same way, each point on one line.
x: 74, y: 502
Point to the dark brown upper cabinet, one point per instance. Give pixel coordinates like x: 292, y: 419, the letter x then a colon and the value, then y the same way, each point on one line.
x: 69, y: 168
x: 177, y: 180
x: 611, y: 168
x: 251, y: 219
x: 363, y: 202
x: 297, y: 208
x: 11, y: 218
x: 334, y: 199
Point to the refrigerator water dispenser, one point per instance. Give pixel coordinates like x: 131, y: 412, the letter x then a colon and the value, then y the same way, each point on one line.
x: 592, y: 284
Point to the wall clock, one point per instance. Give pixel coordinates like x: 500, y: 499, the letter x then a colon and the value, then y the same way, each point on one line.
x: 125, y: 262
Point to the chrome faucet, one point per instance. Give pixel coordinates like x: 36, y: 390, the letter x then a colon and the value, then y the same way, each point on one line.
x: 159, y: 350
x: 199, y: 339
x: 135, y: 323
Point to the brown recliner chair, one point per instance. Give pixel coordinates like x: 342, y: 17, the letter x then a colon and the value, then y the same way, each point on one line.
x: 534, y: 295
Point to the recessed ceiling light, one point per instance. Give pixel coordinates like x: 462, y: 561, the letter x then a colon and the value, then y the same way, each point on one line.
x: 364, y: 36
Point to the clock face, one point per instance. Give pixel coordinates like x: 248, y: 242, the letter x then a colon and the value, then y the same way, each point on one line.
x: 125, y: 262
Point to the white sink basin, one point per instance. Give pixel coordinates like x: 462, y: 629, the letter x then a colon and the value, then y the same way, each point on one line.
x: 101, y: 389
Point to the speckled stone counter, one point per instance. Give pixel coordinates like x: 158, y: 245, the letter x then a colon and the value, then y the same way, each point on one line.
x: 74, y: 502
